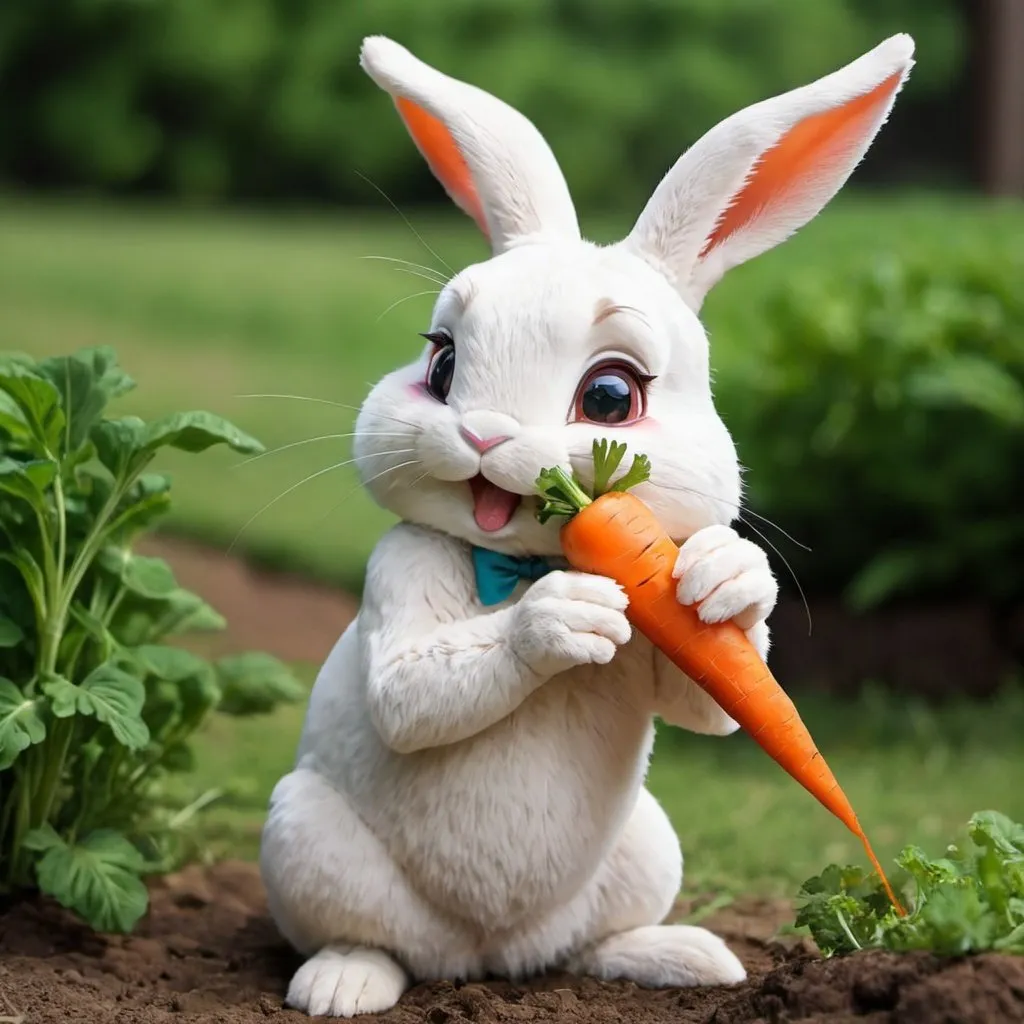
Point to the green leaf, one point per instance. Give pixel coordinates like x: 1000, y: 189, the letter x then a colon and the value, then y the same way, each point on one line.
x: 148, y: 577
x: 20, y: 724
x: 171, y: 663
x: 41, y: 839
x: 111, y: 695
x: 12, y: 419
x: 98, y: 878
x: 147, y: 500
x: 10, y: 632
x: 37, y: 401
x: 197, y: 431
x: 75, y: 378
x: 100, y: 366
x: 998, y: 831
x: 117, y: 441
x: 190, y: 613
x: 27, y: 480
x: 606, y: 460
x: 255, y: 683
x: 639, y: 472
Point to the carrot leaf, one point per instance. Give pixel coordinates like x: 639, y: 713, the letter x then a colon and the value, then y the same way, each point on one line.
x: 561, y: 494
x: 606, y: 460
x: 638, y: 473
x: 564, y: 494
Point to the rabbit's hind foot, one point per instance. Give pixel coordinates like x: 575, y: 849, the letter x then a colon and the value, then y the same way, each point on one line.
x: 343, y: 981
x: 662, y: 956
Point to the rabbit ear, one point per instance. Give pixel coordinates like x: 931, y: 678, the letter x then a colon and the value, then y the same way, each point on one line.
x: 490, y: 159
x: 763, y: 173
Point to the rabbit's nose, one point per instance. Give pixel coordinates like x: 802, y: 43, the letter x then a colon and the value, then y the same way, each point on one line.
x: 485, y: 430
x: 483, y: 444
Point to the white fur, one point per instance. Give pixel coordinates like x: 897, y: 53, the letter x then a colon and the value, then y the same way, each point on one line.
x: 468, y: 792
x: 525, y: 195
x: 691, y: 198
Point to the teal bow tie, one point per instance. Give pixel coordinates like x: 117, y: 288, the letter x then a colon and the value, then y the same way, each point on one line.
x: 497, y: 575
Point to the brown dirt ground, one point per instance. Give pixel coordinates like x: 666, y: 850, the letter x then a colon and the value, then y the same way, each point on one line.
x: 207, y: 953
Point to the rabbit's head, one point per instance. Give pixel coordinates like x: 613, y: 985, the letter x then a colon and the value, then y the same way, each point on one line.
x: 554, y: 341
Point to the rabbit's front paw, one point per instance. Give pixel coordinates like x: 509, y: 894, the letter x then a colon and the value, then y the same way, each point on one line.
x: 567, y: 619
x: 726, y: 576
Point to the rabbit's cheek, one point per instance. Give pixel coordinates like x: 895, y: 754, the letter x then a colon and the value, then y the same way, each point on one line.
x: 445, y: 456
x: 516, y: 464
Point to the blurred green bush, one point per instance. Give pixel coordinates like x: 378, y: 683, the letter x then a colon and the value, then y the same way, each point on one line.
x: 260, y: 98
x: 882, y: 410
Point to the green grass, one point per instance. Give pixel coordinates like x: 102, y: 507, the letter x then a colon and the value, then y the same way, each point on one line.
x: 203, y: 307
x: 913, y: 774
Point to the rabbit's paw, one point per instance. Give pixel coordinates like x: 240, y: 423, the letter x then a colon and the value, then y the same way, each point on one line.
x: 343, y: 981
x: 726, y: 576
x: 663, y: 956
x: 567, y: 619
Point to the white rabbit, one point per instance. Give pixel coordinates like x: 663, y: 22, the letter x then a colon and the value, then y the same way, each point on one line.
x: 468, y: 796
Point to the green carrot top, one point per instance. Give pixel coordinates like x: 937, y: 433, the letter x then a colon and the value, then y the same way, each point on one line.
x: 565, y: 495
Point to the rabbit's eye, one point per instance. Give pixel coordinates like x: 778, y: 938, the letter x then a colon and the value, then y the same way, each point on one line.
x: 610, y: 394
x: 440, y: 371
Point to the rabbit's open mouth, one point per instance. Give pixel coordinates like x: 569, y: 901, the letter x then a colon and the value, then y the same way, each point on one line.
x: 493, y: 506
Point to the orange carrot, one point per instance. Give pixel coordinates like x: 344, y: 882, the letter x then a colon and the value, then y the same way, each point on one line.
x: 616, y: 535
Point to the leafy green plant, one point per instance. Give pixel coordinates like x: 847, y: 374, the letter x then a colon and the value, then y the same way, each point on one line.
x: 968, y: 901
x: 96, y: 708
x: 881, y: 414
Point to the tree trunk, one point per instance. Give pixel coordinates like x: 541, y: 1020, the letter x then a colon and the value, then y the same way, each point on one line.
x: 1002, y: 65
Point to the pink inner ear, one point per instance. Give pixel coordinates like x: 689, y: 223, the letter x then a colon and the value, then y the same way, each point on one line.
x: 443, y: 158
x: 806, y: 152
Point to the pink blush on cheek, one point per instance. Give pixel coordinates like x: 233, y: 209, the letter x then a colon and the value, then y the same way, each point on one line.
x: 416, y: 390
x: 647, y: 424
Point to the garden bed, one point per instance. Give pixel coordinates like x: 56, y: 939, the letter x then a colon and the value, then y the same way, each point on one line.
x: 207, y: 952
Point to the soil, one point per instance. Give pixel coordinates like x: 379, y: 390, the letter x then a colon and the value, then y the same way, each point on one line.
x: 207, y: 952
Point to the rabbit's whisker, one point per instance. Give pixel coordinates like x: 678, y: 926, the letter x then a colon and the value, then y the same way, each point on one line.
x: 306, y: 480
x: 408, y: 223
x: 426, y: 277
x: 410, y: 267
x: 742, y: 511
x: 402, y: 465
x: 337, y: 405
x: 789, y: 568
x: 320, y: 437
x: 741, y: 508
x: 406, y: 298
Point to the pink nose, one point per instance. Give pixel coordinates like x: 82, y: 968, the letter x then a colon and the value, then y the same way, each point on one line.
x: 483, y: 444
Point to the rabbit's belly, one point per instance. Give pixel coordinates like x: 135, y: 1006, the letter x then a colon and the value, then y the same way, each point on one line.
x: 514, y: 821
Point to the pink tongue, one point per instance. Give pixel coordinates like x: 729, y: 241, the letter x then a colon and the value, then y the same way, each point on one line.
x: 493, y: 506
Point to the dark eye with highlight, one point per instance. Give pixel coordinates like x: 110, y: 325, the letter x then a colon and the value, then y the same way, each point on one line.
x: 441, y: 368
x: 613, y: 394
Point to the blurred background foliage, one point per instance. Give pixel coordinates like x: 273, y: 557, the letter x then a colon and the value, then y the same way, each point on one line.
x: 259, y: 99
x: 883, y: 408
